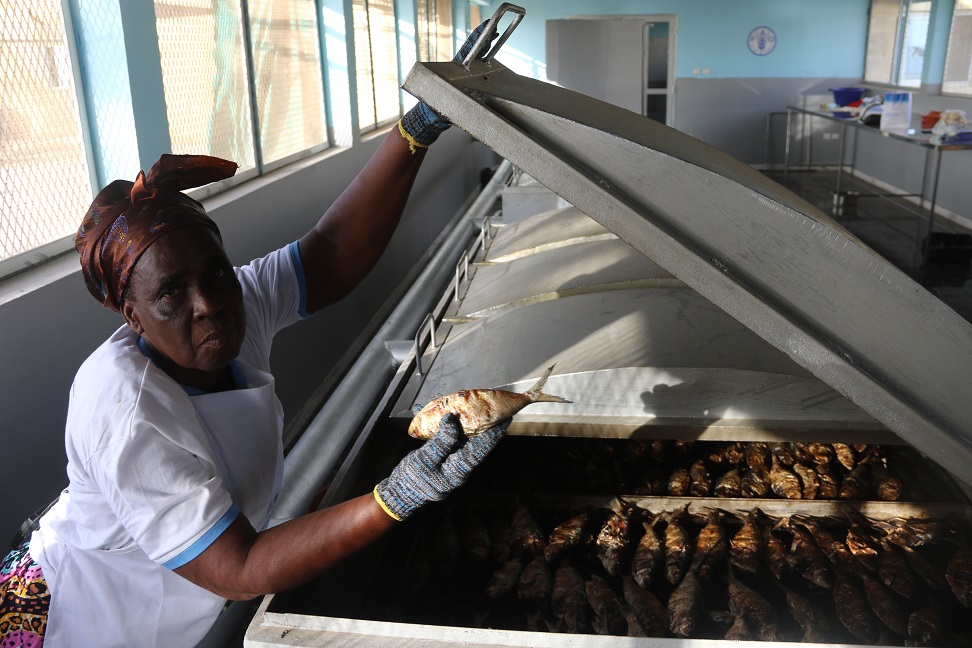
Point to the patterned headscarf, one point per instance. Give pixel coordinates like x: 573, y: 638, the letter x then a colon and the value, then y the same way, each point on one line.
x: 126, y: 218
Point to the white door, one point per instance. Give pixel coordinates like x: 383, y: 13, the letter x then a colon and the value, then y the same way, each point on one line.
x: 625, y: 60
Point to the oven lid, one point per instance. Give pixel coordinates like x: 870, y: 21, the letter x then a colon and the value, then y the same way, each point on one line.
x: 769, y: 259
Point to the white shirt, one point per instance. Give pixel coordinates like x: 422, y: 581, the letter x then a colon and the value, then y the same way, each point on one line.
x: 157, y: 472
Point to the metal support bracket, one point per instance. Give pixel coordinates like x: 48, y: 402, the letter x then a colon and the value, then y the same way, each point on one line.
x: 430, y: 320
x: 464, y: 264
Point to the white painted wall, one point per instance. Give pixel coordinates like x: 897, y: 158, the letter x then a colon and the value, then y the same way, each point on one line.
x: 48, y: 331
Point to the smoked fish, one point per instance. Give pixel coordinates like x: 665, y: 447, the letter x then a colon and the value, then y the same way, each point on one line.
x: 685, y: 606
x: 568, y: 534
x: 651, y: 612
x: 678, y: 547
x: 729, y: 484
x: 885, y: 606
x: 745, y: 601
x: 894, y: 572
x: 812, y: 619
x: 648, y: 556
x: 568, y: 599
x: 853, y: 610
x: 478, y: 409
x: 505, y: 579
x: 525, y: 533
x: 536, y: 581
x: 958, y: 573
x: 613, y: 543
x: 784, y: 481
x: 808, y: 477
x: 746, y: 546
x: 711, y: 547
x: 608, y: 618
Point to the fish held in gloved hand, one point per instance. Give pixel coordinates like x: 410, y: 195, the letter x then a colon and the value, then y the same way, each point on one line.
x: 478, y: 409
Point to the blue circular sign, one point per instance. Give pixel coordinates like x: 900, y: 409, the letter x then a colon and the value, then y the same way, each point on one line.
x: 762, y: 41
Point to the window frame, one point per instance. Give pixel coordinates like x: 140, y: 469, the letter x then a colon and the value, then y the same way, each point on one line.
x: 92, y: 141
x: 396, y: 49
x: 894, y: 79
x: 56, y: 247
x: 948, y: 50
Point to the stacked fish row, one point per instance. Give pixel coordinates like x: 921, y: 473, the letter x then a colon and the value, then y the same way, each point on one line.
x: 709, y: 573
x: 809, y: 471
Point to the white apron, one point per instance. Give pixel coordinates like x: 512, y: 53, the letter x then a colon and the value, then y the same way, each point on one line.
x: 123, y: 588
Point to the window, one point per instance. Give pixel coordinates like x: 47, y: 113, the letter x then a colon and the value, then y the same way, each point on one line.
x: 287, y: 74
x: 207, y: 91
x: 435, y: 30
x: 376, y: 63
x: 45, y: 185
x: 896, y: 37
x: 207, y: 82
x: 239, y: 79
x: 958, y: 61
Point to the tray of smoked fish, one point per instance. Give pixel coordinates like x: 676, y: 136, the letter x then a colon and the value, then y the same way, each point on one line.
x: 685, y: 568
x: 567, y: 538
x: 794, y: 471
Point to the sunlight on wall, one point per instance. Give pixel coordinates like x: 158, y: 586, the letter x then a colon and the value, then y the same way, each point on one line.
x: 522, y: 63
x: 339, y: 90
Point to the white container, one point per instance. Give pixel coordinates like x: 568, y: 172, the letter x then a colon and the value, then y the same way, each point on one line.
x: 896, y: 114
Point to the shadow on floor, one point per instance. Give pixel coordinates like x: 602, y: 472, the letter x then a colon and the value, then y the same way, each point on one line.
x: 898, y: 231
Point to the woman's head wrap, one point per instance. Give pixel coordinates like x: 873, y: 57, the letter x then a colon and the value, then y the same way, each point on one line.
x: 127, y: 217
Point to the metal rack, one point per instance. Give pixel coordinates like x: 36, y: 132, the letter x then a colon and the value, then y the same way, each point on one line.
x: 933, y: 148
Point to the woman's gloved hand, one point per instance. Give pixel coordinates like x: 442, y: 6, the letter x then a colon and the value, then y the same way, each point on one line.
x: 436, y: 469
x: 421, y: 125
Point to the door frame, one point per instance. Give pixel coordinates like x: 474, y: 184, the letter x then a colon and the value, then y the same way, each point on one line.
x: 672, y: 20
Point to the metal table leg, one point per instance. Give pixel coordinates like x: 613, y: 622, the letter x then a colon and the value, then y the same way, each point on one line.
x: 808, y: 138
x: 921, y: 255
x: 838, y: 206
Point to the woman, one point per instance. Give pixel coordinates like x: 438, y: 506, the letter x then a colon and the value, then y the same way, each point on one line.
x: 173, y: 431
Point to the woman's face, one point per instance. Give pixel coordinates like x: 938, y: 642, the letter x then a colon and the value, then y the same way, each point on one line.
x: 185, y: 301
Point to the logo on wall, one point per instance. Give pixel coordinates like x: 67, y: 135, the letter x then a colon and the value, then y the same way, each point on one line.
x: 762, y: 41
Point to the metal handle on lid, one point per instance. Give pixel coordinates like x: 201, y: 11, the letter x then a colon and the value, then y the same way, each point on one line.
x: 430, y: 320
x: 464, y: 264
x: 484, y: 37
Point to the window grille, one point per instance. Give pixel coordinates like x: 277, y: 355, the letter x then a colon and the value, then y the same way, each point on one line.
x: 108, y: 97
x: 882, y: 32
x: 435, y: 30
x: 241, y: 80
x: 958, y: 60
x: 207, y: 91
x: 287, y: 77
x: 475, y: 15
x: 45, y: 185
x: 896, y: 38
x: 376, y: 63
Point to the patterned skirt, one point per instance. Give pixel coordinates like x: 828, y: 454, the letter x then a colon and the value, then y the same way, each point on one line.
x: 24, y: 600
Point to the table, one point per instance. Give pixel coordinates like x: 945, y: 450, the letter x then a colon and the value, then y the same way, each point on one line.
x: 933, y: 156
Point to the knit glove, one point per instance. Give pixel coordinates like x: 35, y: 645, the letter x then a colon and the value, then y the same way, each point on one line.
x: 435, y: 469
x: 421, y: 125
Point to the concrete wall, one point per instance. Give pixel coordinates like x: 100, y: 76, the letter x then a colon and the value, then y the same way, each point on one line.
x: 49, y: 323
x: 825, y: 39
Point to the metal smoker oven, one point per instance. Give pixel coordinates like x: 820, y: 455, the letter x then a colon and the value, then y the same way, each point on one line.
x: 680, y: 297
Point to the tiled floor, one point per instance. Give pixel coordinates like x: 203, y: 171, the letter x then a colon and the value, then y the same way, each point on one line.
x: 894, y: 229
